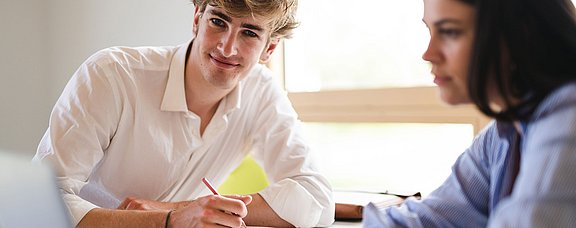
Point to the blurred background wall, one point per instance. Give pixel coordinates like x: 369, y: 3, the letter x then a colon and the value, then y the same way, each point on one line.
x: 42, y: 43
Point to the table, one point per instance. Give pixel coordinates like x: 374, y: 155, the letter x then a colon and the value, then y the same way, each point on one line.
x: 339, y: 224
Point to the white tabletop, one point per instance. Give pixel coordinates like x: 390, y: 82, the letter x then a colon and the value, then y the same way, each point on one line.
x: 347, y: 224
x: 336, y: 224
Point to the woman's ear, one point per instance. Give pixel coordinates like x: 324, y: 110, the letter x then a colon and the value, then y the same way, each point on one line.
x: 270, y: 47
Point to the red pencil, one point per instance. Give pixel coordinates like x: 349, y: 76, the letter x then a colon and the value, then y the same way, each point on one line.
x: 207, y: 183
x: 213, y: 190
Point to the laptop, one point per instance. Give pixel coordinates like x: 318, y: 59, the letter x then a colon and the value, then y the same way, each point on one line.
x: 29, y: 196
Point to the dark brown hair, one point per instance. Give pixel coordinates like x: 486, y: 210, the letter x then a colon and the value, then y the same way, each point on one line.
x: 524, y: 49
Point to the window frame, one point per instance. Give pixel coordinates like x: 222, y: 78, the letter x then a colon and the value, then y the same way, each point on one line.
x: 388, y: 105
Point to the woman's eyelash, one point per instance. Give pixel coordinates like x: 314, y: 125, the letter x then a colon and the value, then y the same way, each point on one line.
x: 450, y: 32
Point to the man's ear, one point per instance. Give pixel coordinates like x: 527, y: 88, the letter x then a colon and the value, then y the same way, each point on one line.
x: 270, y: 47
x: 197, y: 16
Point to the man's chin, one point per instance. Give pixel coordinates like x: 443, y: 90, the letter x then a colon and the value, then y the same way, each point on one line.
x: 224, y: 84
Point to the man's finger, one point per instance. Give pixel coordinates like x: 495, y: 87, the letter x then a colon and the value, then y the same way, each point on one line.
x: 124, y: 205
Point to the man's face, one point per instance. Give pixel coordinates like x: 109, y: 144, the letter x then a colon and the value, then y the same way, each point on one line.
x: 226, y: 47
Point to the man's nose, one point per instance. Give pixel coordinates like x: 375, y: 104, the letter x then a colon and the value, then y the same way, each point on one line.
x: 228, y: 44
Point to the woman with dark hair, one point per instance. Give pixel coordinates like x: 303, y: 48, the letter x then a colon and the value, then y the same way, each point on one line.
x: 516, y: 61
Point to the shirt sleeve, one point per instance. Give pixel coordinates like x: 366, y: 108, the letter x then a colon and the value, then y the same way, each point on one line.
x: 81, y: 125
x: 461, y: 201
x: 285, y: 156
x: 544, y: 194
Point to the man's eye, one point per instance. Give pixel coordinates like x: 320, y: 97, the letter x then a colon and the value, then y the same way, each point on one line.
x: 217, y: 22
x: 250, y: 33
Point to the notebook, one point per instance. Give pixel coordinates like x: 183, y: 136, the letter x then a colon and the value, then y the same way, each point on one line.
x: 29, y: 196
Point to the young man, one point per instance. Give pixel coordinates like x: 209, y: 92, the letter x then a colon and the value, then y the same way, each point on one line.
x: 136, y: 129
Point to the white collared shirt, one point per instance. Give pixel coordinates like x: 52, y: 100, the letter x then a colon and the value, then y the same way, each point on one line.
x: 122, y: 128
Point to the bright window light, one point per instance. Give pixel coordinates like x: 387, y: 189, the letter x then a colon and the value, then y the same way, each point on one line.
x: 374, y: 45
x: 381, y: 156
x: 346, y: 45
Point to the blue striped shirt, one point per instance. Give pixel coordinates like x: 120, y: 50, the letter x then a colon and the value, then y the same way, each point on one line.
x: 544, y: 193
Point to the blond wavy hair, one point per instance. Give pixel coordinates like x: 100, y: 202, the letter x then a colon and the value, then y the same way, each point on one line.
x: 282, y: 13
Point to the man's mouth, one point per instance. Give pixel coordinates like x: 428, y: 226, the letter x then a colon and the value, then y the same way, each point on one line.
x: 223, y: 62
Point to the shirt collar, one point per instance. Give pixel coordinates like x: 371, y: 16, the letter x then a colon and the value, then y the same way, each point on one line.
x: 560, y: 98
x: 233, y: 99
x: 175, y: 94
x: 506, y: 129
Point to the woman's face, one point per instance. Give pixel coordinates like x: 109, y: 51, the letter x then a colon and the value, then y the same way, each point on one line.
x: 451, y: 25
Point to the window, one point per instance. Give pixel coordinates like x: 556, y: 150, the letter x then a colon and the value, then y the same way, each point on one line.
x: 354, y: 74
x: 387, y: 156
x: 355, y: 46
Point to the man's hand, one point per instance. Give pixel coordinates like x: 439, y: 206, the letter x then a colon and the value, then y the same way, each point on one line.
x: 203, y: 212
x: 212, y: 210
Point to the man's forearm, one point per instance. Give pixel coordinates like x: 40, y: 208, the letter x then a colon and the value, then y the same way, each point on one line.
x: 100, y: 217
x: 261, y: 214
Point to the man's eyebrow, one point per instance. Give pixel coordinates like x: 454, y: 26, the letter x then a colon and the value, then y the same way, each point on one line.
x: 229, y: 19
x: 220, y: 14
x: 253, y: 27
